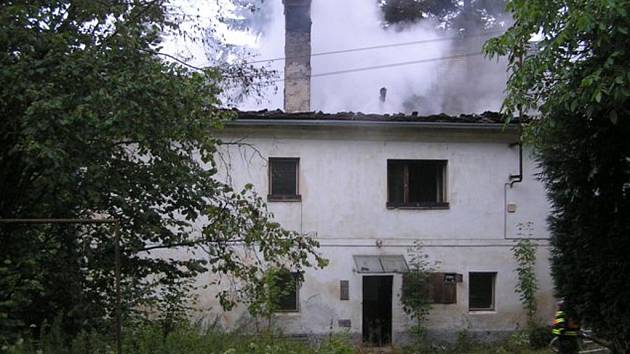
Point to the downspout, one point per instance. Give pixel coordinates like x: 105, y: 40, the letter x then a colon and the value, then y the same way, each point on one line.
x: 513, y: 179
x: 519, y: 177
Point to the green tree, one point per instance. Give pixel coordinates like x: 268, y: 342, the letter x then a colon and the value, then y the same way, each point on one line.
x: 468, y: 16
x: 96, y: 123
x: 576, y: 76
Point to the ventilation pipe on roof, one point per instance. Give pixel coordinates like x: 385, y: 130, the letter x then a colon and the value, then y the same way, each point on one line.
x: 297, y: 53
x: 383, y: 94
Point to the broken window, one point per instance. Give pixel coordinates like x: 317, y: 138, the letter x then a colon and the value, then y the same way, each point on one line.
x: 481, y: 291
x: 287, y: 299
x: 416, y: 183
x: 283, y: 179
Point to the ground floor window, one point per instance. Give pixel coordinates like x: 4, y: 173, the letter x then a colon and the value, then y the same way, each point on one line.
x: 481, y: 291
x: 288, y: 285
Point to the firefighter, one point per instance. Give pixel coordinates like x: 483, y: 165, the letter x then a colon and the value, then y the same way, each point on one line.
x: 566, y: 329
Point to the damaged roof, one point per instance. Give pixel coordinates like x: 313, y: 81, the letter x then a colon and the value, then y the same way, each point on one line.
x: 351, y: 118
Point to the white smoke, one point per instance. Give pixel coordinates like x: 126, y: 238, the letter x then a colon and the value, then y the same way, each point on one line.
x: 471, y: 84
x: 468, y: 85
x: 357, y: 24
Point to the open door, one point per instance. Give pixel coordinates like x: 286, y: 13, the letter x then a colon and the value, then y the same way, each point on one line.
x: 377, y: 310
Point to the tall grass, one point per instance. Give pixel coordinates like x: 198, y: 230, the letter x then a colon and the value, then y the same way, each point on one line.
x: 191, y: 339
x: 185, y: 338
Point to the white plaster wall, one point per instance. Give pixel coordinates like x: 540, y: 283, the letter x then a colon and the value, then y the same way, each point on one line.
x: 343, y: 184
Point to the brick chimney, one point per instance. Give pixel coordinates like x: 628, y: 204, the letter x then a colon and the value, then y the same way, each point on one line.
x: 297, y: 51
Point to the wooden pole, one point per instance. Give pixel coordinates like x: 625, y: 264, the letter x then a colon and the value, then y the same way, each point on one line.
x: 118, y: 296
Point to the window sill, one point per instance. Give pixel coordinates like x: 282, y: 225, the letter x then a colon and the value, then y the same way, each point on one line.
x: 482, y: 311
x: 287, y: 312
x: 419, y: 206
x: 284, y: 198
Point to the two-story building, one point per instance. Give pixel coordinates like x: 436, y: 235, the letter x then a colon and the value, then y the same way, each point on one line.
x: 369, y: 188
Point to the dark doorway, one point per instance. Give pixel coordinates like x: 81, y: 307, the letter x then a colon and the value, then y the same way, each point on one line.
x: 377, y: 310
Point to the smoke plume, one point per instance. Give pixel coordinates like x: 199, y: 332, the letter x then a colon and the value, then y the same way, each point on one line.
x: 466, y: 83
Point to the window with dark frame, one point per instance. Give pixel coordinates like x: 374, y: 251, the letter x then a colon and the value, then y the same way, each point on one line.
x: 481, y: 291
x: 283, y: 179
x: 288, y: 297
x: 416, y: 183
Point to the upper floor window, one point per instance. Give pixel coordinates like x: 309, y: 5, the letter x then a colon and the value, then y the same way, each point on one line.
x: 283, y: 179
x: 416, y: 183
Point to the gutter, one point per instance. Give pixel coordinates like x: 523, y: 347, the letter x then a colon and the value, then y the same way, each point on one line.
x: 357, y: 123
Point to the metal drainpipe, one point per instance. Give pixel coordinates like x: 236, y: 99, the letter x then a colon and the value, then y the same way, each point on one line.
x: 513, y: 179
x: 519, y: 177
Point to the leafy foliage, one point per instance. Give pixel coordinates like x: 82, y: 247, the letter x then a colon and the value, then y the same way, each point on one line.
x: 524, y: 252
x: 539, y: 336
x: 415, y: 293
x: 577, y: 77
x: 96, y: 124
x: 263, y: 297
x: 240, y: 79
x: 187, y: 338
x: 467, y: 16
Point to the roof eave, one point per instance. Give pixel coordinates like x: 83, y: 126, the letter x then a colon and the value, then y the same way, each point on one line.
x: 383, y: 124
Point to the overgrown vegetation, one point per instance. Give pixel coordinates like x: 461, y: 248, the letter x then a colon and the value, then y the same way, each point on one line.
x: 95, y: 123
x: 524, y: 252
x: 578, y: 79
x: 415, y: 293
x: 186, y: 338
x: 263, y: 298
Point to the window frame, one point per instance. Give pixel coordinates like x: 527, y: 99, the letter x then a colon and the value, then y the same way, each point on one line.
x: 493, y: 305
x: 298, y: 285
x: 271, y: 197
x: 443, y: 204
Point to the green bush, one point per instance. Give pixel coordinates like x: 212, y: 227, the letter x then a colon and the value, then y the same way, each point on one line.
x: 539, y: 337
x: 339, y: 344
x: 184, y: 338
